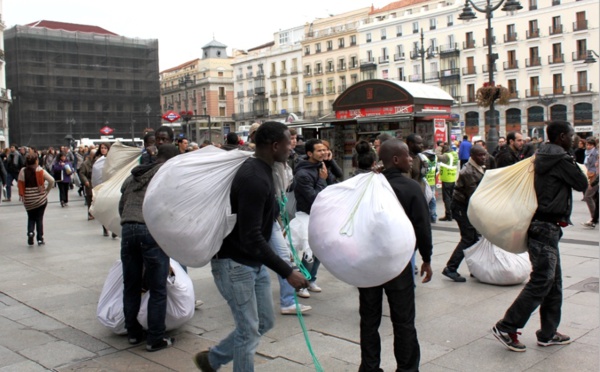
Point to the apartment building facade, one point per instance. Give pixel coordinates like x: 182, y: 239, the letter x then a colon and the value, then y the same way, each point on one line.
x: 541, y: 51
x: 5, y: 94
x: 204, y: 88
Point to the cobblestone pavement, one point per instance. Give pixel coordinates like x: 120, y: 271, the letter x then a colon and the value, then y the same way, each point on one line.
x: 49, y: 295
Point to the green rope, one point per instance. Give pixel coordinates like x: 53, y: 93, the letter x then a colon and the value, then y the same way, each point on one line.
x: 285, y: 219
x: 348, y: 228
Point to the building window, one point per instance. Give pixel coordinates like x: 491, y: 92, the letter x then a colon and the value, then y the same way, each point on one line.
x: 60, y: 81
x: 557, y: 87
x: 399, y: 30
x: 307, y: 50
x: 341, y: 42
x: 352, y: 40
x: 470, y: 92
x: 119, y: 84
x: 120, y: 106
x: 283, y: 39
x: 39, y: 80
x: 368, y: 37
x: 330, y: 45
x: 432, y: 23
x: 41, y: 105
x: 104, y: 83
x: 534, y: 86
x: 75, y: 82
x: 450, y: 20
x: 91, y: 106
x: 353, y: 62
x: 415, y: 27
x: 401, y: 74
x: 318, y: 48
x: 532, y: 4
x: 105, y: 106
x: 222, y: 111
x: 512, y: 88
x: 383, y: 34
x: 76, y: 106
x: 60, y: 106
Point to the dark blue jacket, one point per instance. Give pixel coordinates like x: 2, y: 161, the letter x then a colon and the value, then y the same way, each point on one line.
x: 307, y: 184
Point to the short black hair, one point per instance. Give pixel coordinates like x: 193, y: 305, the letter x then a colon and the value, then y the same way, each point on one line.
x: 365, y: 155
x: 232, y: 138
x: 383, y: 137
x: 511, y: 136
x: 166, y: 152
x: 411, y: 138
x: 465, y: 137
x: 556, y: 128
x: 309, y: 146
x: 167, y: 130
x: 180, y: 140
x: 269, y: 133
x: 147, y: 137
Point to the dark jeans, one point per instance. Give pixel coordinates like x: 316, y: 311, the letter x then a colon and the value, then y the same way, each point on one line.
x: 35, y: 221
x: 400, y: 292
x: 144, y: 261
x: 595, y: 215
x: 544, y: 288
x: 468, y: 236
x: 63, y: 191
x: 463, y: 162
x: 9, y: 182
x: 312, y: 268
x: 447, y: 190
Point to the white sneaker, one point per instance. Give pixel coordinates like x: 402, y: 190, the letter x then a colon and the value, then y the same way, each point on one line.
x: 313, y: 287
x: 198, y: 303
x: 291, y: 310
x: 303, y: 293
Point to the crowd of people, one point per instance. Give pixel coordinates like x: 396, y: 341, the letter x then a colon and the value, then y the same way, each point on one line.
x: 258, y: 241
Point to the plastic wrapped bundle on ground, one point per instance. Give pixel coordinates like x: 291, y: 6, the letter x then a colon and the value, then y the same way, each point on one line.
x: 492, y: 265
x: 187, y: 207
x: 504, y: 204
x: 360, y: 232
x: 180, y: 300
x: 299, y: 231
x: 106, y: 197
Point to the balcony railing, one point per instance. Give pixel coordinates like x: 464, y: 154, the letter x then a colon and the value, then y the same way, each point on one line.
x: 239, y: 77
x: 557, y: 58
x: 367, y: 61
x: 435, y: 75
x: 535, y: 92
x: 249, y: 74
x: 222, y: 97
x: 485, y: 68
x: 469, y: 44
x: 318, y: 92
x: 558, y: 90
x: 307, y: 73
x: 485, y: 41
x: 532, y: 62
x: 273, y: 93
x: 415, y: 78
x: 283, y: 73
x: 354, y: 66
x: 330, y: 70
x: 533, y: 33
x: 581, y: 88
x: 398, y: 56
x: 579, y: 55
x: 341, y: 68
x: 341, y: 88
x: 448, y: 48
x: 509, y: 37
x: 319, y: 71
x: 250, y: 92
x: 555, y: 30
x: 511, y: 65
x: 330, y: 90
x: 259, y: 90
x: 514, y: 94
x: 384, y: 59
x: 580, y: 25
x: 469, y: 70
x: 295, y: 90
x: 468, y: 99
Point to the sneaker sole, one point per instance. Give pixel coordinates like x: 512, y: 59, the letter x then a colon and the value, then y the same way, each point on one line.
x: 315, y: 290
x: 293, y: 312
x: 503, y: 342
x: 545, y: 344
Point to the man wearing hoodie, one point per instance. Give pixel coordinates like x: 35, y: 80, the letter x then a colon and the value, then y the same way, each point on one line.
x: 310, y: 178
x: 142, y: 258
x: 556, y: 173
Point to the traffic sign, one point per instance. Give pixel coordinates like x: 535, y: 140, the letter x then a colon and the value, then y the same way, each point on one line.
x: 171, y: 116
x: 106, y: 130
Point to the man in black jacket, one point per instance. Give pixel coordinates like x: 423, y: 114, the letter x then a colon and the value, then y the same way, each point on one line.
x: 400, y: 291
x: 310, y: 179
x: 556, y: 174
x: 239, y: 266
x: 511, y: 153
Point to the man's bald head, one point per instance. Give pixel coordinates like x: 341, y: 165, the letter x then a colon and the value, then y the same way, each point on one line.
x: 395, y: 155
x: 478, y: 154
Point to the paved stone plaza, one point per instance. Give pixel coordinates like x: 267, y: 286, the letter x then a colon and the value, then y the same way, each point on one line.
x: 49, y: 294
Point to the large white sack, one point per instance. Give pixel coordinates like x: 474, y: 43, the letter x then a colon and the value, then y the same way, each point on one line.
x: 119, y: 156
x: 110, y: 306
x: 299, y: 231
x: 492, y: 265
x: 180, y: 300
x: 97, y: 170
x: 187, y: 207
x: 503, y: 205
x: 106, y: 197
x: 360, y: 232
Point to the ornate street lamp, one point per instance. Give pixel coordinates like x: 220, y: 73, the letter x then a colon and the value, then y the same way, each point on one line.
x: 590, y: 57
x: 422, y: 52
x: 468, y: 15
x: 186, y: 82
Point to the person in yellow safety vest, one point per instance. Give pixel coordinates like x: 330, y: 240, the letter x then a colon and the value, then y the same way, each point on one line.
x: 432, y: 171
x: 448, y: 163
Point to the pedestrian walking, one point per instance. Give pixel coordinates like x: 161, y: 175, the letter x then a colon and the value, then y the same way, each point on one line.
x: 62, y: 170
x: 464, y: 150
x: 448, y: 163
x: 591, y: 160
x: 510, y: 153
x: 14, y: 163
x: 556, y: 175
x: 31, y: 180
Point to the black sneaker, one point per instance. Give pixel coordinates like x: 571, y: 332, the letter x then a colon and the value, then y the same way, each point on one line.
x: 162, y: 344
x: 135, y: 339
x: 201, y: 361
x: 557, y: 339
x: 30, y: 238
x: 510, y: 340
x: 453, y: 275
x: 41, y: 241
x: 446, y: 219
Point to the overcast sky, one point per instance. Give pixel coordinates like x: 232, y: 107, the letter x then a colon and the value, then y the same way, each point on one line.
x: 182, y: 27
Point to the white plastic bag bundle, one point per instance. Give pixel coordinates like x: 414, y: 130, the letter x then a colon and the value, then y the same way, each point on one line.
x: 119, y: 156
x: 187, y: 207
x: 492, y: 265
x: 503, y: 205
x: 106, y: 197
x: 180, y: 300
x: 110, y: 306
x: 97, y: 170
x: 299, y: 231
x: 360, y: 232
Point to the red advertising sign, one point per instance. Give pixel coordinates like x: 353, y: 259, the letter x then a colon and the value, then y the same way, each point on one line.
x: 436, y: 108
x: 106, y: 130
x: 374, y: 111
x: 439, y: 125
x: 171, y: 116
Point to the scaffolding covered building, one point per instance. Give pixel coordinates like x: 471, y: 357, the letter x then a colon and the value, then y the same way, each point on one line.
x: 70, y: 81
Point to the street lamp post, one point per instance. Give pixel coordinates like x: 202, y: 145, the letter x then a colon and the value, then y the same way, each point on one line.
x: 422, y: 52
x: 467, y: 15
x: 69, y: 136
x: 186, y: 82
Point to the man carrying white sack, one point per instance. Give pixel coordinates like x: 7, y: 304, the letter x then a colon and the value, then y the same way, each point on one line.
x: 556, y: 173
x: 239, y: 267
x: 400, y: 291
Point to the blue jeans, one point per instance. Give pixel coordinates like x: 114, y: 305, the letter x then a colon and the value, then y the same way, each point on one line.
x: 139, y: 251
x: 247, y: 291
x: 278, y: 244
x: 433, y: 205
x: 9, y: 182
